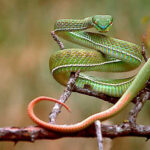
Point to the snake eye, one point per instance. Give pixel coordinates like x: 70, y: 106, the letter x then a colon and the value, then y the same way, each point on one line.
x: 110, y: 23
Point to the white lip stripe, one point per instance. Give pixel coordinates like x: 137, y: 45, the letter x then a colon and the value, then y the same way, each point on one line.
x: 105, y: 46
x: 92, y: 65
x: 103, y: 83
x: 84, y: 65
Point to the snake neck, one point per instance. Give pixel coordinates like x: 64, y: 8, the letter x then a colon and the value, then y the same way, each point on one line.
x: 73, y: 25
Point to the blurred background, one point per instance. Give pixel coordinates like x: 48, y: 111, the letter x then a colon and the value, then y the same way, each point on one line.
x: 25, y: 48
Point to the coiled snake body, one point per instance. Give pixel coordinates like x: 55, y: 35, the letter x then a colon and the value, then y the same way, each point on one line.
x: 105, y: 54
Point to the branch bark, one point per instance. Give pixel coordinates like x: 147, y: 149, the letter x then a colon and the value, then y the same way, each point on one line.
x: 33, y: 133
x: 63, y: 98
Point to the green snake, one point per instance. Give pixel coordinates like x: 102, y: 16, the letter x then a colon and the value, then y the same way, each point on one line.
x: 102, y: 53
x: 105, y: 54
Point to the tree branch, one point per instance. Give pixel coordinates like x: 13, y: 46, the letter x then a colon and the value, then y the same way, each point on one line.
x: 37, y: 133
x: 63, y: 98
x: 138, y: 106
x: 110, y: 99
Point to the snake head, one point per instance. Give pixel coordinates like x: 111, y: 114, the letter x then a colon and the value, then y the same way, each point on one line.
x: 102, y: 23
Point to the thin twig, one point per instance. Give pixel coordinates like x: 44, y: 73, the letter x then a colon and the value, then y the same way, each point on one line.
x: 99, y: 134
x: 138, y: 106
x: 55, y: 37
x: 67, y: 92
x: 143, y: 47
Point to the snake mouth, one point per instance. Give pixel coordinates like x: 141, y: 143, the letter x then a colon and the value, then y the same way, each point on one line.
x: 103, y: 28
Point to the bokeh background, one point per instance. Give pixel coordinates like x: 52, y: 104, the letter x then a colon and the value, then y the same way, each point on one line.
x: 25, y: 48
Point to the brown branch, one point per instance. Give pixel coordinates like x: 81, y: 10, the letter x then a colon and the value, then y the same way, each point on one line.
x: 141, y: 99
x: 98, y: 95
x: 36, y: 133
x: 143, y: 47
x: 107, y: 98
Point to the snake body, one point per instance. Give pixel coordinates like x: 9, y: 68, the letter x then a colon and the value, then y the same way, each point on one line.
x: 103, y: 54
